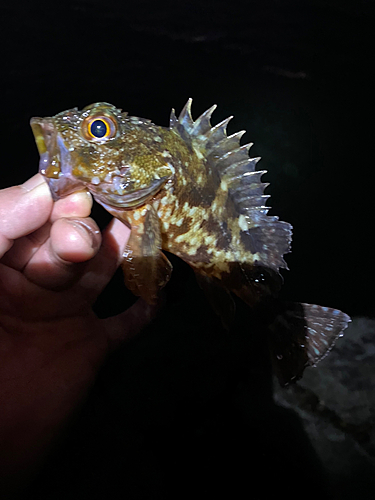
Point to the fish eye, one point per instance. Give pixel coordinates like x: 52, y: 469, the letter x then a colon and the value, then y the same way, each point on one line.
x: 98, y: 128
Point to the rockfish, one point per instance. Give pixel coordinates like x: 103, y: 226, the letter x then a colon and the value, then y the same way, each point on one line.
x: 194, y: 191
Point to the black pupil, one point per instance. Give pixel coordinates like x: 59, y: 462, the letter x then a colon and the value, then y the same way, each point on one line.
x: 98, y: 128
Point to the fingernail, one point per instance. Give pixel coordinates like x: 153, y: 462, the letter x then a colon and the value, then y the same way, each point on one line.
x: 79, y: 195
x: 92, y: 237
x: 38, y: 191
x: 30, y: 184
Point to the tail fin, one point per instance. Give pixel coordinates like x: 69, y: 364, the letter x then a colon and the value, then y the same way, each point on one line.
x: 301, y: 335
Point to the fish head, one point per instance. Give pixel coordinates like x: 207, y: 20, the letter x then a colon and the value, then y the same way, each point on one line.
x: 104, y: 151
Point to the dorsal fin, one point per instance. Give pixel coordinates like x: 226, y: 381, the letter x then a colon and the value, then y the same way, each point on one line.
x: 237, y: 170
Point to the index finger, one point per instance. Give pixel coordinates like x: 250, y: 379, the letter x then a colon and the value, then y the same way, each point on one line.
x: 23, y: 209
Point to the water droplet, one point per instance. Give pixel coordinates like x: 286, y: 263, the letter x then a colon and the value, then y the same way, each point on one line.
x: 260, y: 278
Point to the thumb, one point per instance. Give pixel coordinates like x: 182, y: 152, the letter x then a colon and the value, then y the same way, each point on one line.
x: 23, y: 209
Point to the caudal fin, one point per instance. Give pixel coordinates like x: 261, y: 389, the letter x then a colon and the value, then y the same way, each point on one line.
x: 301, y: 335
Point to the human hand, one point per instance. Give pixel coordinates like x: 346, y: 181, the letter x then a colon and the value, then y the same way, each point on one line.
x: 53, y: 265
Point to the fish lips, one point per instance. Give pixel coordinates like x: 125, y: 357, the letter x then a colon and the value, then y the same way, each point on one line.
x: 54, y: 164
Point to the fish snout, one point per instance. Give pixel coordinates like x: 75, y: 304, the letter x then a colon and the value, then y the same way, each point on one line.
x: 45, y: 138
x: 55, y: 162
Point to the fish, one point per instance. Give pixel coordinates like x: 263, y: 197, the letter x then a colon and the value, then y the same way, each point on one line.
x: 191, y: 190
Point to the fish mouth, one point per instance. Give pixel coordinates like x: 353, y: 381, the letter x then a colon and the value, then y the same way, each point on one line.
x: 45, y: 138
x: 37, y: 126
x: 54, y: 163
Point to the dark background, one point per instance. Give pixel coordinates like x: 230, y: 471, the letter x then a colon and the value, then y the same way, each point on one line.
x: 184, y: 405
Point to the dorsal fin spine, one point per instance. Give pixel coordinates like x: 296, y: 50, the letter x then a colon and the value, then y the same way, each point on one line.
x: 185, y: 115
x: 172, y: 119
x: 203, y: 124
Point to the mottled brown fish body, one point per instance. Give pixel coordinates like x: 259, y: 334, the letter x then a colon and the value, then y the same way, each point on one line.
x: 195, y: 192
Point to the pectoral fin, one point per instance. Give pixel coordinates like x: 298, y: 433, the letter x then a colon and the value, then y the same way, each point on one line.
x: 146, y: 268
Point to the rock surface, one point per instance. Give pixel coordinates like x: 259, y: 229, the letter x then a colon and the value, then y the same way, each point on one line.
x: 336, y: 402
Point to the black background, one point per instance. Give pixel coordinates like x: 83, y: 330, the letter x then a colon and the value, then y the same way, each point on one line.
x: 184, y: 405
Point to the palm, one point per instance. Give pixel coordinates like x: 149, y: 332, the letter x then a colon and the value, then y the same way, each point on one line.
x: 53, y: 266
